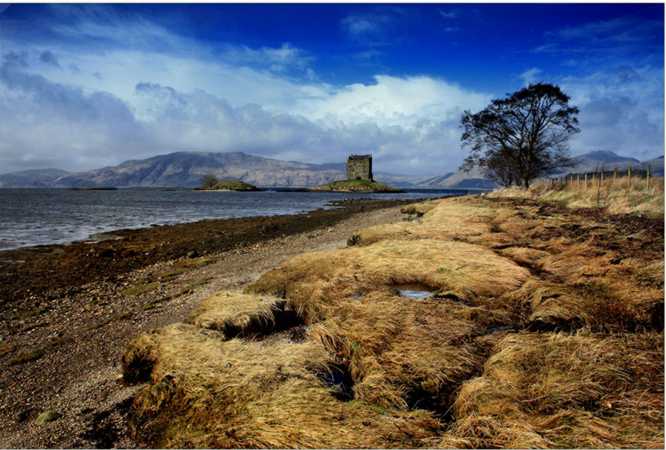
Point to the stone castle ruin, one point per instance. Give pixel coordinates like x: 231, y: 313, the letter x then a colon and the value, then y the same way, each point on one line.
x: 359, y: 167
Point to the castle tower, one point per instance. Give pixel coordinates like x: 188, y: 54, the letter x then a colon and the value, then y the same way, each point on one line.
x: 359, y: 167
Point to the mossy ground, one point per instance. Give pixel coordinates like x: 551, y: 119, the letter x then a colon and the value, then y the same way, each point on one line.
x: 545, y: 329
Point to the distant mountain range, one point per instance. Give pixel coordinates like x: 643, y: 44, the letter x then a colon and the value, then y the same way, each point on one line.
x: 32, y: 178
x: 459, y: 179
x: 186, y: 169
x: 598, y: 160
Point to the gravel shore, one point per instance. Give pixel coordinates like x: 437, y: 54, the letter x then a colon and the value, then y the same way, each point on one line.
x: 68, y: 312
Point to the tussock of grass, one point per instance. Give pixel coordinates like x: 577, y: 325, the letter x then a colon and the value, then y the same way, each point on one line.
x: 419, y: 209
x: 313, y: 281
x: 526, y: 256
x: 564, y: 391
x: 404, y: 354
x: 207, y: 392
x: 552, y: 307
x: 378, y: 372
x: 611, y: 294
x: 237, y: 314
x: 587, y: 288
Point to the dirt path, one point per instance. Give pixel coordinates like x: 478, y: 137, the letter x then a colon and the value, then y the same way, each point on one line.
x: 60, y: 380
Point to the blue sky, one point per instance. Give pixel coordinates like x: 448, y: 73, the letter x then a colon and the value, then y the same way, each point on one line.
x: 82, y: 86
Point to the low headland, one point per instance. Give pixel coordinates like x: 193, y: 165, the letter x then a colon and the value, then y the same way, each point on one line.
x: 227, y: 185
x: 518, y: 318
x: 356, y: 186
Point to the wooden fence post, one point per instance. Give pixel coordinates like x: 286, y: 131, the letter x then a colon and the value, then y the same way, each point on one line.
x: 585, y: 180
x: 629, y: 175
x: 647, y: 178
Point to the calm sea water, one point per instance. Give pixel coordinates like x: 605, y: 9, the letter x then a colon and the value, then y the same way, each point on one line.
x: 48, y: 216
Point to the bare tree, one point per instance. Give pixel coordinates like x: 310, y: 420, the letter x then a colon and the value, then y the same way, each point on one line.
x: 521, y: 137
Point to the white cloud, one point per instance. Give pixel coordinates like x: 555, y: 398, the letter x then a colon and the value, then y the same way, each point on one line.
x: 530, y: 75
x: 362, y: 25
x: 601, y: 40
x: 620, y: 110
x: 372, y: 29
x: 405, y: 121
x: 279, y: 59
x: 448, y: 14
x: 165, y: 93
x: 395, y: 101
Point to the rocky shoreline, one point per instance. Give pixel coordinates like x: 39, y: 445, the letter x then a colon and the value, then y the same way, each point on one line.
x: 68, y: 311
x: 52, y: 270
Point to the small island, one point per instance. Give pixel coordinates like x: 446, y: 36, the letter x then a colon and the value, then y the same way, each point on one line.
x: 211, y: 183
x: 359, y: 178
x: 355, y: 186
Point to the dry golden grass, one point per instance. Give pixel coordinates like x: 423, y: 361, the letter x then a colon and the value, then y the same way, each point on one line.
x: 211, y: 393
x: 238, y: 314
x: 442, y: 219
x: 380, y: 372
x: 324, y: 352
x: 419, y: 209
x: 403, y: 353
x: 313, y: 281
x: 565, y: 391
x: 618, y: 196
x: 599, y: 290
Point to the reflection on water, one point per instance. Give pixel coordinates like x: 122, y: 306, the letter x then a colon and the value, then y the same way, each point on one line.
x: 418, y: 295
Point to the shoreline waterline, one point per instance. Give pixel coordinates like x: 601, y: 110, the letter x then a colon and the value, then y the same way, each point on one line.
x: 34, y: 217
x: 31, y: 270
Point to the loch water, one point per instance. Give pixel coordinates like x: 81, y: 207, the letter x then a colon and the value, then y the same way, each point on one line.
x: 48, y: 216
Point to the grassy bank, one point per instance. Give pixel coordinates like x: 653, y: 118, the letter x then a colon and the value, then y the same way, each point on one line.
x: 541, y: 325
x: 355, y: 186
x: 621, y: 195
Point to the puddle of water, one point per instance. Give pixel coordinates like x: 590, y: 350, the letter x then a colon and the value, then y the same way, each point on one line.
x: 358, y: 295
x: 418, y: 295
